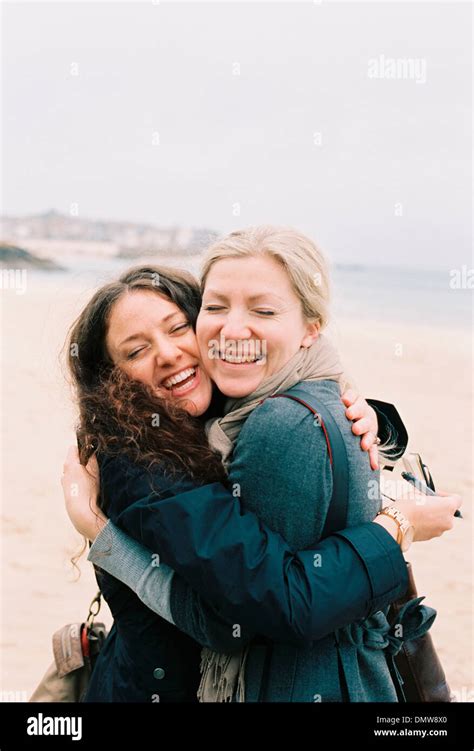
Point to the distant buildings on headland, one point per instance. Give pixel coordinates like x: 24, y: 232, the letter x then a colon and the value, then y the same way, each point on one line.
x: 13, y: 257
x: 54, y: 235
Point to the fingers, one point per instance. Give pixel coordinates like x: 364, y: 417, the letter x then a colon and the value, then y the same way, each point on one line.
x: 367, y: 441
x: 72, y: 457
x: 453, y: 500
x: 413, y: 494
x: 456, y: 500
x: 374, y: 456
x: 355, y: 405
x: 349, y: 397
x: 364, y: 425
x: 360, y: 409
x: 444, y: 494
x: 73, y: 453
x: 92, y: 466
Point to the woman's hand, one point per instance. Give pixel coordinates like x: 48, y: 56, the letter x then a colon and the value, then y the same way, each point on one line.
x: 365, y: 424
x: 81, y: 490
x: 430, y: 515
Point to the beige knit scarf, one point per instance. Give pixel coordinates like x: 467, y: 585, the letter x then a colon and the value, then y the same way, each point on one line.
x: 223, y: 674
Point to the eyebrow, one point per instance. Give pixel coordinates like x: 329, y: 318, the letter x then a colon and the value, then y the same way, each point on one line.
x: 141, y: 335
x: 252, y: 298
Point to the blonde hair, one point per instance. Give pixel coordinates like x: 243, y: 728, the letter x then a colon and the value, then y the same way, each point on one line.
x: 301, y: 258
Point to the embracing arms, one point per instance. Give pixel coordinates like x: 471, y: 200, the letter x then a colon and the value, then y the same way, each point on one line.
x: 248, y: 572
x: 231, y: 559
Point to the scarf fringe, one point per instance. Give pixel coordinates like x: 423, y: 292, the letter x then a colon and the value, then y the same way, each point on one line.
x: 221, y: 675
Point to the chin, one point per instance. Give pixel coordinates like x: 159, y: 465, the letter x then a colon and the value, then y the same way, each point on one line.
x: 236, y: 390
x: 192, y: 407
x: 195, y: 407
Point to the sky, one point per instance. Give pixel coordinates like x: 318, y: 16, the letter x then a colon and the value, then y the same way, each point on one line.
x: 222, y: 116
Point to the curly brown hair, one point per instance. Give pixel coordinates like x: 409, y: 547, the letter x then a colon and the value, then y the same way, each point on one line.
x: 120, y: 416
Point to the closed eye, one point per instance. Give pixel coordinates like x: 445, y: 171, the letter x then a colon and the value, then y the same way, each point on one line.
x: 266, y: 312
x: 212, y: 308
x: 180, y: 327
x: 133, y: 354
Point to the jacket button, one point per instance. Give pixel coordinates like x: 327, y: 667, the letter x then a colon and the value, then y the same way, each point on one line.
x: 158, y: 673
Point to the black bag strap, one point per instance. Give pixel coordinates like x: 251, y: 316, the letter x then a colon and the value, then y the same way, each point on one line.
x: 336, y: 518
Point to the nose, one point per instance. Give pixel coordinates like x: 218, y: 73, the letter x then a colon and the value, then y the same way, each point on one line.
x: 168, y: 352
x: 235, y: 326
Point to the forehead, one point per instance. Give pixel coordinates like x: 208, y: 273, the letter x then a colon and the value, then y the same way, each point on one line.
x: 251, y: 275
x: 139, y: 307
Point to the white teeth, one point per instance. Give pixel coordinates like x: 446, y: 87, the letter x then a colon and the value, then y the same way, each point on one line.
x: 170, y: 382
x: 231, y: 358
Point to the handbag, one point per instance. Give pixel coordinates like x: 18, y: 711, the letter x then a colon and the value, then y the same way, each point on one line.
x: 424, y: 679
x: 75, y: 649
x: 418, y: 670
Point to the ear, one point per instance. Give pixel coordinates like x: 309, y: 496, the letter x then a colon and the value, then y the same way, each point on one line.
x: 312, y: 333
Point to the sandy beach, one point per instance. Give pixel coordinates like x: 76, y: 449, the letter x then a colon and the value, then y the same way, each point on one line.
x: 426, y: 372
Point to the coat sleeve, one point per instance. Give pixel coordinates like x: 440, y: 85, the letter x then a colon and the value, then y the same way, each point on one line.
x: 165, y: 592
x: 130, y: 494
x: 246, y: 573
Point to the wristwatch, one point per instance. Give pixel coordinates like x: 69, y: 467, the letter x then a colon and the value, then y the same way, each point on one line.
x: 406, y: 530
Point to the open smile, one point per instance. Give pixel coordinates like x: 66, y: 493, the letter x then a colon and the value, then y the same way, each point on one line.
x: 183, y: 382
x: 246, y: 360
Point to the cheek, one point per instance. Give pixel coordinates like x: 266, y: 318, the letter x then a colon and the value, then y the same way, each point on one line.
x: 290, y: 335
x: 207, y: 385
x: 207, y: 366
x: 189, y: 343
x: 207, y: 325
x: 202, y: 340
x: 139, y: 371
x: 282, y: 345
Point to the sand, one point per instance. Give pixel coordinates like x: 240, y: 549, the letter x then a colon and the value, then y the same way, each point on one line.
x: 430, y: 380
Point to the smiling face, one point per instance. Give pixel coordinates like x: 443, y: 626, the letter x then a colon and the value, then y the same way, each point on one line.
x: 250, y: 324
x: 150, y: 339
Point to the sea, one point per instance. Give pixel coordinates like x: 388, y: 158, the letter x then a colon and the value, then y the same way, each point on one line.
x: 385, y: 294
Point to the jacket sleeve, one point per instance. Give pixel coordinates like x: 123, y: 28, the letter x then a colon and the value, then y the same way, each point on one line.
x: 163, y: 591
x: 129, y: 494
x: 246, y: 572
